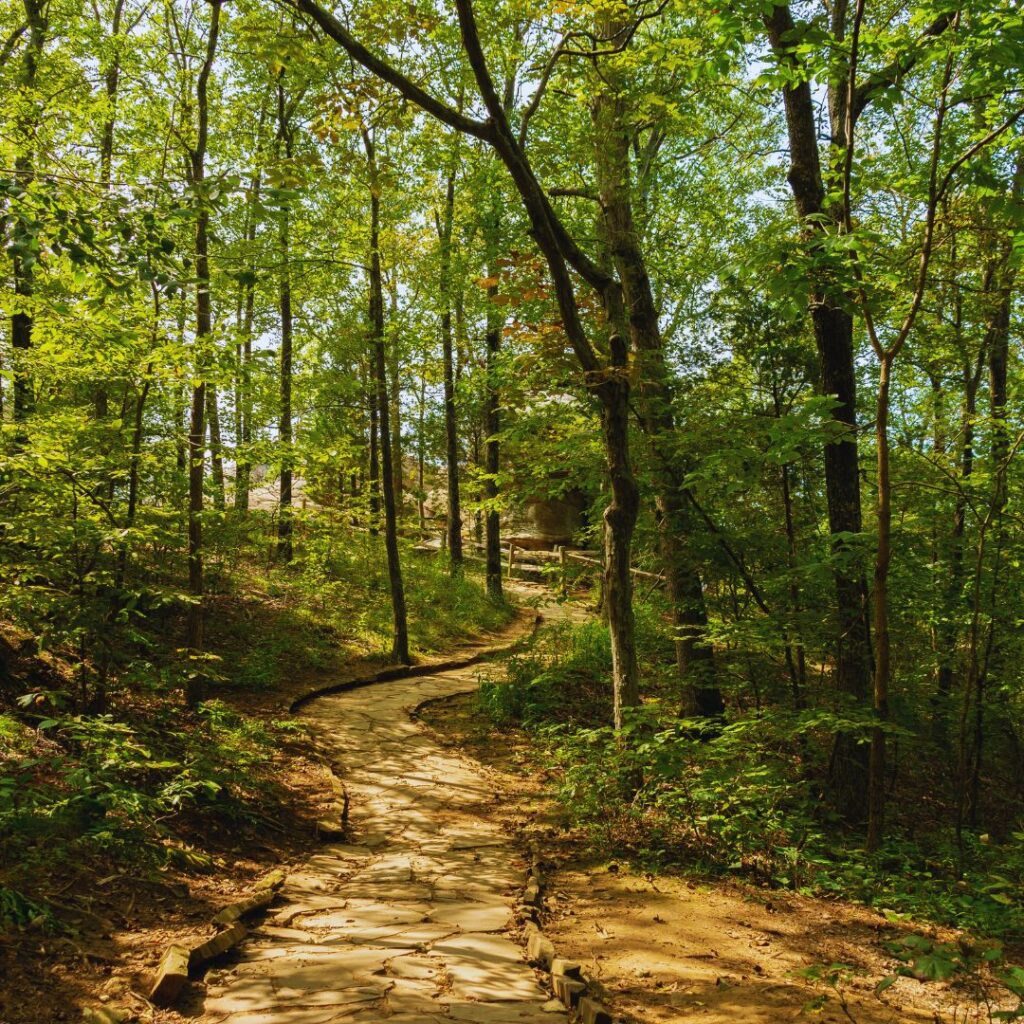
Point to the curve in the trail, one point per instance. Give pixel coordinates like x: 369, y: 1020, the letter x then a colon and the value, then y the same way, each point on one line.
x: 410, y: 922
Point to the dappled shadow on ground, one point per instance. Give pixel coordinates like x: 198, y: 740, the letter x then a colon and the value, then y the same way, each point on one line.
x: 667, y: 948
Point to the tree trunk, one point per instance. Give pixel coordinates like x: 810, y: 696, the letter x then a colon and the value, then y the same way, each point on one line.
x: 421, y: 450
x: 619, y: 523
x: 373, y: 471
x: 24, y: 171
x: 400, y: 637
x: 695, y: 657
x: 216, y: 447
x: 444, y: 230
x: 492, y: 423
x: 243, y: 391
x: 197, y: 425
x: 395, y: 398
x: 883, y: 646
x: 284, y: 425
x: 833, y: 334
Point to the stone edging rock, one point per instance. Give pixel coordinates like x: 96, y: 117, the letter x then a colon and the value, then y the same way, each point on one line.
x: 173, y: 970
x: 575, y: 989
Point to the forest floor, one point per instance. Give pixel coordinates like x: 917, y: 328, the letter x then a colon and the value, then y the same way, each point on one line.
x: 410, y: 920
x: 668, y: 947
x: 117, y: 919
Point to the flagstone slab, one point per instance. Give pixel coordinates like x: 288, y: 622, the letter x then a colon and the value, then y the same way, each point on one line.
x: 473, y: 917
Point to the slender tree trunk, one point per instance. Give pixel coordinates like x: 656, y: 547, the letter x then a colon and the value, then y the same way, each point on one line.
x: 197, y: 425
x: 492, y: 422
x: 247, y: 311
x: 400, y: 637
x: 244, y: 398
x: 395, y: 398
x: 619, y: 523
x: 444, y: 230
x: 284, y: 424
x: 216, y: 447
x: 883, y: 646
x: 111, y: 81
x: 373, y: 472
x: 25, y: 172
x: 954, y: 598
x: 421, y: 450
x: 795, y: 655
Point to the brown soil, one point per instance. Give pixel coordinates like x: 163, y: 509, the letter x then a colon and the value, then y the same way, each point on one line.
x: 671, y: 947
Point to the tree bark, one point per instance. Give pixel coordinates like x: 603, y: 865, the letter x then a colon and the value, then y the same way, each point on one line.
x: 373, y: 471
x: 695, y: 659
x: 216, y: 447
x: 25, y: 172
x: 492, y: 420
x: 619, y: 523
x: 395, y: 398
x: 246, y: 317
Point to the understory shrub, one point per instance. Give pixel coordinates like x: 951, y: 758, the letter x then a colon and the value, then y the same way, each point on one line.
x: 743, y: 797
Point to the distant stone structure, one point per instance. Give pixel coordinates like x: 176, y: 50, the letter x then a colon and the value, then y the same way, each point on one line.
x: 545, y: 523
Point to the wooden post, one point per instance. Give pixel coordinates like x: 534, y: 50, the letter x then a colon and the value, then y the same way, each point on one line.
x: 511, y: 558
x: 564, y: 563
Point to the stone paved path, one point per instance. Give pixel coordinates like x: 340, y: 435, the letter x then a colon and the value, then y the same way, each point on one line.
x: 409, y: 923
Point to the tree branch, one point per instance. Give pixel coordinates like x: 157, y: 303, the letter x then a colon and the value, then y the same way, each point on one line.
x: 383, y: 70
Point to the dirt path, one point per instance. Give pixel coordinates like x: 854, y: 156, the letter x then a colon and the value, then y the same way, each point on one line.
x: 410, y: 921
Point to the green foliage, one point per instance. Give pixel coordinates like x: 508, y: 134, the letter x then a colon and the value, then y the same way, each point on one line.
x: 740, y: 798
x: 17, y: 911
x: 102, y: 785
